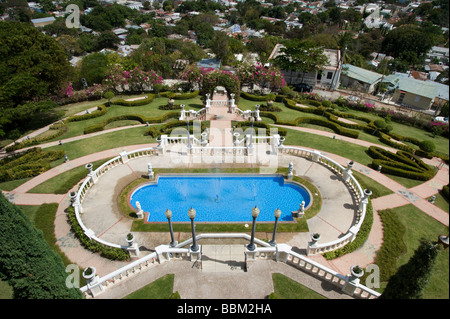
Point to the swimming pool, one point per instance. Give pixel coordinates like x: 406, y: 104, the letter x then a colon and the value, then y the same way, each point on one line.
x: 220, y: 198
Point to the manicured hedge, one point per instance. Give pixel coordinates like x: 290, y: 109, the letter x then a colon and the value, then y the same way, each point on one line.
x: 445, y: 192
x: 255, y: 98
x: 179, y: 96
x: 400, y: 164
x: 105, y: 251
x: 101, y: 110
x: 148, y: 100
x: 135, y: 117
x: 27, y: 164
x: 393, y: 245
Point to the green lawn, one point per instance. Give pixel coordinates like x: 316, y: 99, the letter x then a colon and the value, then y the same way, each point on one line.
x: 132, y: 136
x: 62, y: 183
x: 326, y: 144
x: 419, y: 225
x: 286, y: 288
x: 161, y: 288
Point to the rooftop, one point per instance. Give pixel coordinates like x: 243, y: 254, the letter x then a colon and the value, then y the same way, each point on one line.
x: 360, y: 74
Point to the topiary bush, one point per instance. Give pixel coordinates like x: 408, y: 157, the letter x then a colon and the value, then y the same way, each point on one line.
x: 427, y: 146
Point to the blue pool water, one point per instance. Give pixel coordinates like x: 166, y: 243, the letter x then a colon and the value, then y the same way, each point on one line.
x: 220, y: 198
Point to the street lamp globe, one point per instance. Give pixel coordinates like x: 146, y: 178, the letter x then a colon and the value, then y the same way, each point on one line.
x: 191, y: 213
x: 277, y: 213
x: 255, y: 212
x: 168, y: 213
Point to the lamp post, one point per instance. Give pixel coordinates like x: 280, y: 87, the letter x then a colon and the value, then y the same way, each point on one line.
x: 188, y: 136
x: 277, y: 215
x: 252, y: 120
x: 168, y: 214
x: 255, y: 213
x: 191, y: 213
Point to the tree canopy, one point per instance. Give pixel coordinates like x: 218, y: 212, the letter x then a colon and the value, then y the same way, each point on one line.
x: 26, y: 261
x: 302, y: 56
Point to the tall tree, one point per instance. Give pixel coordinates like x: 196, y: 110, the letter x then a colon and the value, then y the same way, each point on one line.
x: 301, y: 56
x: 413, y: 277
x: 26, y: 261
x: 31, y: 64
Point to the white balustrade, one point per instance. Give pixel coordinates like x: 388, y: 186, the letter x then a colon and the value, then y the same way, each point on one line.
x: 280, y: 253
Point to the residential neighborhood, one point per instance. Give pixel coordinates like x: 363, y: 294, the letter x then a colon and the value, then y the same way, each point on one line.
x: 280, y: 19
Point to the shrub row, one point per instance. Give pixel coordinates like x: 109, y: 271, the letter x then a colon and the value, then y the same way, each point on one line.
x: 400, y: 164
x: 180, y: 96
x: 135, y: 117
x: 247, y: 124
x: 393, y: 244
x: 445, y: 192
x: 168, y: 127
x: 28, y: 164
x: 58, y: 129
x: 147, y: 100
x: 105, y: 251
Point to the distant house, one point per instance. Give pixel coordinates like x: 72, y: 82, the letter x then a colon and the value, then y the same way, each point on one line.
x: 42, y: 21
x: 416, y: 94
x: 327, y: 77
x: 354, y: 77
x: 209, y: 63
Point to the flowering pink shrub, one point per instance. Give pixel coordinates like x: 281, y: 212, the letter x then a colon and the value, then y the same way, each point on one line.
x: 262, y: 76
x: 370, y: 107
x: 136, y: 80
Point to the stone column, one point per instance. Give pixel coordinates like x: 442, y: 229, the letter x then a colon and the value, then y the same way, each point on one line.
x: 124, y: 156
x: 94, y: 287
x: 315, y: 155
x: 352, y: 283
x: 133, y: 248
x: 365, y: 199
x: 312, y: 244
x: 347, y: 173
x: 151, y: 174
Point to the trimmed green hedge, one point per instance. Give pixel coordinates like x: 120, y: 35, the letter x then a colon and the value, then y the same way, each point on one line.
x: 148, y: 100
x: 105, y: 251
x: 27, y: 164
x: 393, y: 245
x: 179, y: 96
x: 135, y: 117
x: 400, y: 164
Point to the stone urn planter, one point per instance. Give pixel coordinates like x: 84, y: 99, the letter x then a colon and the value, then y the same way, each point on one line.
x: 130, y: 239
x: 170, y: 103
x: 89, y: 166
x: 356, y: 272
x: 315, y: 238
x: 72, y: 196
x: 89, y: 273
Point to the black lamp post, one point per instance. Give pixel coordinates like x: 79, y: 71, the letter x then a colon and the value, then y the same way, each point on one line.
x: 191, y: 213
x: 169, y: 216
x: 277, y: 215
x: 255, y: 213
